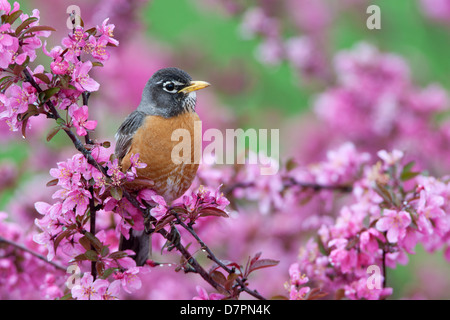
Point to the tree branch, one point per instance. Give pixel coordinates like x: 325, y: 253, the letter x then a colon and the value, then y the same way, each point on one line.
x: 37, y: 255
x: 212, y: 257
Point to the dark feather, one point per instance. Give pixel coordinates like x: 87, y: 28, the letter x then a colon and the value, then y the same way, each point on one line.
x: 126, y: 131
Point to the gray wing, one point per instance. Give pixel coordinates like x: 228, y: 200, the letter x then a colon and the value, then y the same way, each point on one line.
x: 126, y: 131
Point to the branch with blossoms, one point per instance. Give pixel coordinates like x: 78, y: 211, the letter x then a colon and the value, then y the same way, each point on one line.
x: 92, y: 181
x: 393, y: 209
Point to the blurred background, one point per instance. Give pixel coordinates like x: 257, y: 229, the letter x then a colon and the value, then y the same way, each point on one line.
x: 272, y: 64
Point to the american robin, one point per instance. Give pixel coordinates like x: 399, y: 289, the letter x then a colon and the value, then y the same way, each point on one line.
x: 167, y: 104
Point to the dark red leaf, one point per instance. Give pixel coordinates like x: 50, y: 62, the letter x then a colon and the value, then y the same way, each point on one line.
x: 52, y: 183
x: 25, y: 24
x: 39, y: 28
x: 263, y: 263
x: 118, y: 255
x: 212, y: 211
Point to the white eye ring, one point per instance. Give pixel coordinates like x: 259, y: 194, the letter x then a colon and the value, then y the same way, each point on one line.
x: 170, y: 87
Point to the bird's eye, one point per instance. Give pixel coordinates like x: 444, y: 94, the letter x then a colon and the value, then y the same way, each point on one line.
x: 169, y: 87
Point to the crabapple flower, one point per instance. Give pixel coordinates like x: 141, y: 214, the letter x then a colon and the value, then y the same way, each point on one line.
x: 115, y: 172
x: 80, y: 121
x: 429, y: 209
x: 390, y: 158
x: 111, y: 292
x: 106, y: 30
x: 297, y: 279
x: 129, y: 279
x: 96, y: 47
x: 88, y: 289
x: 395, y: 223
x: 135, y: 163
x: 203, y: 295
x: 161, y: 208
x: 81, y: 78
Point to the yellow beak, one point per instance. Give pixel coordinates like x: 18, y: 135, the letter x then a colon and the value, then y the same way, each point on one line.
x: 194, y: 86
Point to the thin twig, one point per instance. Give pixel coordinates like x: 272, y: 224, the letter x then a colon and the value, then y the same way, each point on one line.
x: 212, y: 257
x: 37, y: 255
x: 194, y: 263
x: 289, y: 182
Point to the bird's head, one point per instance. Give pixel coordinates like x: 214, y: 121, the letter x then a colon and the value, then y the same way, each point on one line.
x: 170, y: 92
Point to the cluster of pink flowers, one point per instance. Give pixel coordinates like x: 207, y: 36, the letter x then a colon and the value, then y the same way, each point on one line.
x: 306, y: 52
x: 40, y: 280
x: 68, y: 77
x: 376, y: 104
x: 393, y: 209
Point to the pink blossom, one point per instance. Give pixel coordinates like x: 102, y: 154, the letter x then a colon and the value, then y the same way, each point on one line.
x: 20, y: 98
x: 296, y: 293
x: 358, y: 290
x: 390, y: 158
x: 88, y: 289
x: 127, y: 211
x: 97, y: 47
x: 75, y: 42
x: 395, y: 223
x: 203, y: 295
x: 429, y: 209
x: 369, y: 240
x: 106, y: 30
x: 345, y: 259
x: 161, y: 208
x: 129, y: 279
x: 80, y: 120
x: 438, y: 10
x: 81, y: 78
x: 297, y: 278
x: 78, y: 198
x: 115, y: 172
x: 135, y: 164
x: 111, y: 292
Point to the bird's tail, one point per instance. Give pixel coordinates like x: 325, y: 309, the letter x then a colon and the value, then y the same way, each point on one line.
x: 139, y: 242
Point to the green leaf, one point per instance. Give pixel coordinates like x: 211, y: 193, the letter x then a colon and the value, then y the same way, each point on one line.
x: 24, y: 128
x: 53, y: 133
x: 94, y: 240
x: 108, y: 272
x: 60, y: 121
x: 50, y: 93
x: 105, y: 251
x: 116, y: 193
x: 384, y: 193
x: 408, y: 175
x: 118, y: 255
x: 13, y: 16
x: 91, y: 255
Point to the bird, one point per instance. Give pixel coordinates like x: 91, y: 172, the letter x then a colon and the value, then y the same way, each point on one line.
x: 167, y: 104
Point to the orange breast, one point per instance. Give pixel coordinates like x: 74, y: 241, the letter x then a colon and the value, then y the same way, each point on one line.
x: 153, y: 141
